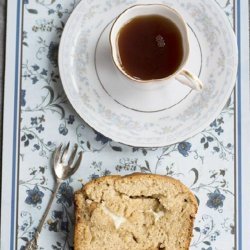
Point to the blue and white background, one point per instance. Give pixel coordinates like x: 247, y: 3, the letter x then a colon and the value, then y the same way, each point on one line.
x: 38, y: 117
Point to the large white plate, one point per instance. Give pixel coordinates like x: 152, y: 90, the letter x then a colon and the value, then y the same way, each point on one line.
x: 138, y: 115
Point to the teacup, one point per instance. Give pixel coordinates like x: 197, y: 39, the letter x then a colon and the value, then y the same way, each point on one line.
x: 180, y: 73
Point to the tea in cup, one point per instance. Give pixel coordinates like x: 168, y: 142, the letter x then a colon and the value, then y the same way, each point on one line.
x: 150, y: 43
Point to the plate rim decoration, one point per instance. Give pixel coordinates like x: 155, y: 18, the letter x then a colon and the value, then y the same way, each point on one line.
x: 157, y: 143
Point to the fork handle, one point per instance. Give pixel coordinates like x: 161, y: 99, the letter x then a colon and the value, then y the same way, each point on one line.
x: 32, y: 244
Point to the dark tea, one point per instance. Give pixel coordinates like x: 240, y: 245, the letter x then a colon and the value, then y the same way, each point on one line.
x: 150, y: 47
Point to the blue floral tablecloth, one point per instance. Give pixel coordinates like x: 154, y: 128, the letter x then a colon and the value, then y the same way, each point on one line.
x: 205, y: 162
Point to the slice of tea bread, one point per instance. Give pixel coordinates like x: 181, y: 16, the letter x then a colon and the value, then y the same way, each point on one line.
x: 134, y: 212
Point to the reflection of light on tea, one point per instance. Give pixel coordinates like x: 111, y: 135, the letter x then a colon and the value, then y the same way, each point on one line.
x: 160, y: 41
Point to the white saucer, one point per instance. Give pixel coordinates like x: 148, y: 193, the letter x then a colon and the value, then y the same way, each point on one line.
x: 142, y: 114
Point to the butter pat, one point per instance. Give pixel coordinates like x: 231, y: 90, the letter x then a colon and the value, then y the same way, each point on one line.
x: 158, y: 215
x: 118, y: 220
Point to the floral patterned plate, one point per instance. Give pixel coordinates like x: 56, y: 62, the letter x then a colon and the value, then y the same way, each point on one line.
x: 139, y: 115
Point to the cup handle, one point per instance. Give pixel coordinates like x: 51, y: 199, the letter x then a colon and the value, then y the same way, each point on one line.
x: 187, y: 78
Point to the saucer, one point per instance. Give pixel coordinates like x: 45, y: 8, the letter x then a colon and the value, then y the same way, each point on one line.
x: 146, y: 115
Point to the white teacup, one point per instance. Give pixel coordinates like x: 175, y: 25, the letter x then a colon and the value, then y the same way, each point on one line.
x: 181, y: 74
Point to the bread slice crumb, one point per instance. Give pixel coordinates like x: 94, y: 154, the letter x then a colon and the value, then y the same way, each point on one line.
x: 134, y: 212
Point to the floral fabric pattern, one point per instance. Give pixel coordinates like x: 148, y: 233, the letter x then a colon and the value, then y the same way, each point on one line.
x: 34, y: 196
x: 205, y: 163
x: 215, y: 199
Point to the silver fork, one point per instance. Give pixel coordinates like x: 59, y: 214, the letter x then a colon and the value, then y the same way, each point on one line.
x: 63, y: 169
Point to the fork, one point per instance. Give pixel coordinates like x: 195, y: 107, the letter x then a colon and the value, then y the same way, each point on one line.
x: 63, y: 169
